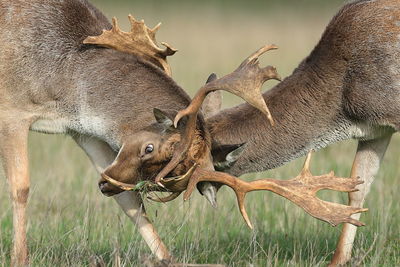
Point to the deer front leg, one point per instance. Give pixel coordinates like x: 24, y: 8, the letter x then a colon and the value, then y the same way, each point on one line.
x: 102, y: 156
x: 366, y: 165
x: 131, y: 203
x: 14, y: 155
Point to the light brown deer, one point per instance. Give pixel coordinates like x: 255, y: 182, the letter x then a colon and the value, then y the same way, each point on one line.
x: 54, y: 83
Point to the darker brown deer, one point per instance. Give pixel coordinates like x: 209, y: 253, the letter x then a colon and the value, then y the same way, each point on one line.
x: 245, y: 82
x: 348, y: 87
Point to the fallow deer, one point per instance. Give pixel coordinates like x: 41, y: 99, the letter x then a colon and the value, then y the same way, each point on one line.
x: 59, y: 76
x: 348, y: 87
x: 52, y: 82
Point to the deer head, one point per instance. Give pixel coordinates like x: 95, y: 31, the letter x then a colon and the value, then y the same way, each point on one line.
x: 144, y: 154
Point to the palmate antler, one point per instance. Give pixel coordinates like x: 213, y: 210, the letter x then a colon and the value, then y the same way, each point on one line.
x: 140, y: 41
x: 301, y: 190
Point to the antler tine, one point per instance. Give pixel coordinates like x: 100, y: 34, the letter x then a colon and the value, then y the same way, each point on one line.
x: 140, y: 41
x: 168, y: 198
x: 123, y: 186
x: 115, y: 27
x: 153, y: 31
x: 258, y: 53
x: 301, y: 191
x: 169, y: 50
x: 306, y: 166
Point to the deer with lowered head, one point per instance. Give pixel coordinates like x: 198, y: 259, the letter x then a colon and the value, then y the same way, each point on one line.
x: 71, y: 71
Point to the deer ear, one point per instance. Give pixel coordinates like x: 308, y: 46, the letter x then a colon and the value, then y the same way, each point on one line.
x: 213, y: 102
x: 224, y: 156
x: 162, y: 117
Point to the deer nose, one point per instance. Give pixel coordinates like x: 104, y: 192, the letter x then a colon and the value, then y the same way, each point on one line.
x: 102, y: 186
x: 108, y: 189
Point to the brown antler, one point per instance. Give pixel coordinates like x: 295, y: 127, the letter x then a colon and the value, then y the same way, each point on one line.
x: 301, y: 190
x: 140, y: 41
x: 245, y: 82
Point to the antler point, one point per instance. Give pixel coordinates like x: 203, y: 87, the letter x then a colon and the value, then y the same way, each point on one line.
x: 160, y: 184
x: 306, y: 166
x: 114, y: 23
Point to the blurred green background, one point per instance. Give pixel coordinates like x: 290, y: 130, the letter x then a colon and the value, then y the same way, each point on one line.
x: 70, y: 221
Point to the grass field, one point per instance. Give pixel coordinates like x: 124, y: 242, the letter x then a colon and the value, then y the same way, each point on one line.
x: 70, y: 221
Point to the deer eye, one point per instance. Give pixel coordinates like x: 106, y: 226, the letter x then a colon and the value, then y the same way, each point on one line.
x: 149, y: 148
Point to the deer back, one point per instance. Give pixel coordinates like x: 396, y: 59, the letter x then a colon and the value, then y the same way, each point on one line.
x: 64, y: 85
x: 348, y: 87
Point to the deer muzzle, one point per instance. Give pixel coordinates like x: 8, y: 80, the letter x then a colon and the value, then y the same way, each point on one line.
x: 107, y: 188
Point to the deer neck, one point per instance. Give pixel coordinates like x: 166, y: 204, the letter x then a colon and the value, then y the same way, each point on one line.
x: 112, y: 106
x: 307, y: 108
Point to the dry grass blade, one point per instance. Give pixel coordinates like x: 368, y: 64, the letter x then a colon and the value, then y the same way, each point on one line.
x: 168, y: 198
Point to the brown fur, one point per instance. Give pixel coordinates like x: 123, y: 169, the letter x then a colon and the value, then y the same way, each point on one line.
x: 348, y: 87
x: 335, y: 88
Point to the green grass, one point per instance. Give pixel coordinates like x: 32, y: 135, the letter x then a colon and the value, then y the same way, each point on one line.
x: 70, y: 221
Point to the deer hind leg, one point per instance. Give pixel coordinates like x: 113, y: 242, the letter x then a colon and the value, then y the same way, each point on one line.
x: 14, y: 155
x: 102, y: 156
x: 366, y: 165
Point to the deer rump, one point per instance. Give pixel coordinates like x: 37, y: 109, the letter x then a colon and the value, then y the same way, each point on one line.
x: 193, y: 162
